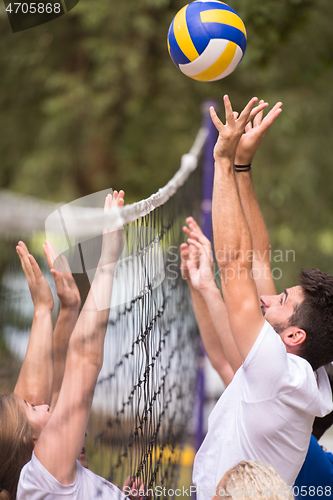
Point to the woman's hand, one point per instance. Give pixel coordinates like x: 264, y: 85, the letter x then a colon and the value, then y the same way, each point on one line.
x: 113, y: 240
x: 39, y: 289
x: 66, y: 288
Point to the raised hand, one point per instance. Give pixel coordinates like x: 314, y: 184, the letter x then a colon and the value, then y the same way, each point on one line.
x: 135, y: 489
x: 199, y: 264
x: 231, y: 132
x: 186, y: 250
x: 184, y: 255
x: 113, y: 240
x: 66, y: 288
x: 36, y: 375
x: 39, y: 289
x: 254, y: 134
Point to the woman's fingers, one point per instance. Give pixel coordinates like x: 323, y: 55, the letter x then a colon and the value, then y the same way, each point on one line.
x: 58, y: 280
x: 115, y: 200
x: 25, y: 262
x: 35, y: 267
x: 65, y: 266
x: 23, y: 246
x: 51, y: 254
x: 120, y: 199
x: 194, y: 223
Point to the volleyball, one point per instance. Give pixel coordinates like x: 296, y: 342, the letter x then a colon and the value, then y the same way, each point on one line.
x: 207, y: 40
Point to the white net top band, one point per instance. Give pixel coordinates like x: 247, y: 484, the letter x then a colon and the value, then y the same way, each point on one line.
x: 23, y: 215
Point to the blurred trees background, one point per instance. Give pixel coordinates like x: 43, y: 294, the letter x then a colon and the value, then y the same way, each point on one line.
x: 92, y: 100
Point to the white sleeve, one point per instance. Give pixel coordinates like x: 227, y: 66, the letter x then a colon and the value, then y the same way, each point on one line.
x: 36, y: 483
x: 269, y: 370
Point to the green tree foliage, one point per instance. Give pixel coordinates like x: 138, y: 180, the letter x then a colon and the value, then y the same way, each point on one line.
x: 93, y: 100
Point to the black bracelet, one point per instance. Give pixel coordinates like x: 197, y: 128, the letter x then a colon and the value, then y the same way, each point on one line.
x: 242, y: 168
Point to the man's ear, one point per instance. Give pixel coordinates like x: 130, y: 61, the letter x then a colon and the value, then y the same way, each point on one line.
x: 294, y: 336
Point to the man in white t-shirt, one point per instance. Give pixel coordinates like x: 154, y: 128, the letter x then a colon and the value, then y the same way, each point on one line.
x: 267, y: 411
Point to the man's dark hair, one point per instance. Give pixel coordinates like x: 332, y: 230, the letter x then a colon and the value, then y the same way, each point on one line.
x: 315, y: 316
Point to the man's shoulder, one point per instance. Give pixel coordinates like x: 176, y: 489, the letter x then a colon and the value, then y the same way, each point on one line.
x: 270, y: 372
x: 268, y: 345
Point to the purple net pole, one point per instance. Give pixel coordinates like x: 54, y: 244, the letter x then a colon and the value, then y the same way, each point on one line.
x: 208, y: 169
x: 206, y: 224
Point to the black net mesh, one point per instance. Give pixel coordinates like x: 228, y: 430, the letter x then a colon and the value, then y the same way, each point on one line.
x: 146, y: 396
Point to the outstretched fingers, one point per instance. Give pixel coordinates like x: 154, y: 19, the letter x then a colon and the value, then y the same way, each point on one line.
x: 23, y: 254
x: 192, y: 262
x: 120, y: 199
x: 113, y: 237
x: 135, y: 489
x: 115, y: 200
x: 58, y: 280
x: 184, y: 253
x: 184, y: 249
x: 259, y: 116
x: 215, y: 119
x: 64, y: 265
x: 39, y: 289
x: 196, y: 244
x: 202, y: 240
x: 232, y: 118
x: 250, y: 111
x: 50, y: 253
x: 229, y: 114
x: 191, y: 222
x: 23, y: 246
x: 272, y: 115
x: 35, y: 267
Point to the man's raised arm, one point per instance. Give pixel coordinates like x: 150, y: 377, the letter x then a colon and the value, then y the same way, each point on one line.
x: 232, y: 238
x: 247, y: 147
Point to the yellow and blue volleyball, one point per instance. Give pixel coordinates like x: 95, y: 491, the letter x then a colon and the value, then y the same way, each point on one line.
x: 207, y: 40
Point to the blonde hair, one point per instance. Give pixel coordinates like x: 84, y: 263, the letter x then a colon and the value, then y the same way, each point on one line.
x: 16, y: 444
x: 249, y: 479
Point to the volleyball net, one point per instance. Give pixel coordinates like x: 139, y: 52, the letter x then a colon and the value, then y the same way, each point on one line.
x: 144, y: 395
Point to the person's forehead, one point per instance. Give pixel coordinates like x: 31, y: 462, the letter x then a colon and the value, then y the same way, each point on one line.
x: 295, y: 293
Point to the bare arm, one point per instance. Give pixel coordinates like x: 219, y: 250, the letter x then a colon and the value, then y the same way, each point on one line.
x: 84, y: 360
x: 70, y: 302
x: 247, y: 147
x: 200, y: 266
x: 210, y: 338
x: 36, y: 376
x: 231, y: 232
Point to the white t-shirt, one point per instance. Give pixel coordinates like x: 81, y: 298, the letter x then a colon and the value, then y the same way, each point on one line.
x: 265, y: 414
x: 36, y: 483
